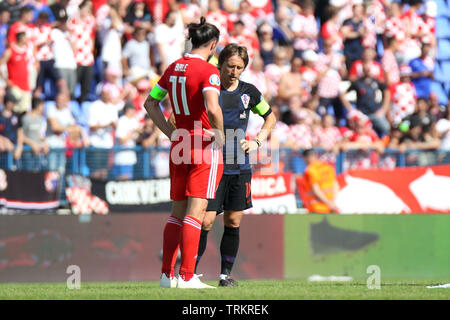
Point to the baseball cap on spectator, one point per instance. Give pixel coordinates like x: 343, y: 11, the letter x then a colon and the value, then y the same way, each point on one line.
x: 143, y: 85
x: 405, y: 70
x: 310, y: 55
x: 60, y: 15
x: 337, y: 3
x: 136, y: 74
x: 431, y: 8
x: 265, y: 28
x: 9, y: 97
x: 113, y: 71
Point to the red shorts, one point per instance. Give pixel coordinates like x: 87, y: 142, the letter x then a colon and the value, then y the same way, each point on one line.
x: 198, y: 179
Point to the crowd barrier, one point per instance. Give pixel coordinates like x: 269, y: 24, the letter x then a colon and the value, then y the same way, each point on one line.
x: 153, y: 162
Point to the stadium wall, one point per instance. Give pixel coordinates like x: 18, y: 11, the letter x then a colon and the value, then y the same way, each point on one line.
x: 402, y: 246
x: 124, y: 247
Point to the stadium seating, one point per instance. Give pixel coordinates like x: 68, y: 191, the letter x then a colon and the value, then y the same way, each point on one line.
x: 442, y: 28
x: 438, y: 88
x: 47, y: 105
x: 443, y: 8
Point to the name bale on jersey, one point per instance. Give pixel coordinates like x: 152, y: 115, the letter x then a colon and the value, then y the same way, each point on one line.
x: 181, y: 67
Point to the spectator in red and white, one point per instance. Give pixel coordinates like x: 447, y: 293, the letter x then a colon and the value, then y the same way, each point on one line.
x: 17, y: 81
x: 368, y: 57
x: 81, y: 28
x: 331, y: 67
x: 170, y: 39
x: 191, y: 11
x: 275, y: 70
x: 306, y: 110
x: 327, y: 136
x: 290, y: 83
x: 143, y: 87
x: 429, y: 24
x: 244, y: 15
x: 360, y: 136
x: 300, y: 131
x: 262, y: 9
x: 255, y: 75
x: 219, y: 18
x: 118, y: 94
x: 110, y: 37
x: 239, y: 36
x: 389, y: 61
x: 413, y: 26
x: 159, y: 9
x: 305, y: 29
x: 65, y: 62
x: 24, y: 24
x: 331, y: 29
x: 376, y: 12
x: 46, y: 57
x: 310, y: 75
x: 394, y: 26
x: 403, y: 96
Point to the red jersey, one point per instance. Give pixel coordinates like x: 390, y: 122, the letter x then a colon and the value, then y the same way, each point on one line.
x: 17, y: 66
x: 185, y: 80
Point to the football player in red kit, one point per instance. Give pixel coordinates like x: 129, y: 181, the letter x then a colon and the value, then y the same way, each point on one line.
x: 196, y: 163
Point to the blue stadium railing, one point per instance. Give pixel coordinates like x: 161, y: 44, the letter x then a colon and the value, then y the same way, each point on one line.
x: 84, y: 161
x: 87, y: 160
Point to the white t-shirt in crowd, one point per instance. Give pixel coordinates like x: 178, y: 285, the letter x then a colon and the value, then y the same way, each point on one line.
x: 101, y: 113
x: 65, y: 118
x: 172, y: 42
x: 125, y: 126
x: 62, y: 49
x: 138, y: 54
x: 111, y: 40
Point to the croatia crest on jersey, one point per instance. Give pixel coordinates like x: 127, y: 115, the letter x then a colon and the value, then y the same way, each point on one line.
x: 245, y: 100
x: 214, y: 80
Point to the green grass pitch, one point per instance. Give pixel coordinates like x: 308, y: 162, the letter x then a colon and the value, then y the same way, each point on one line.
x: 247, y: 290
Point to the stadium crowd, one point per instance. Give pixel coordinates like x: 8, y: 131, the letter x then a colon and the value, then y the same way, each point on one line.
x: 339, y: 74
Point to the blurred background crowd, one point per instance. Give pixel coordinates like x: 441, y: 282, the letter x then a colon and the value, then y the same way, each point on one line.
x: 339, y: 74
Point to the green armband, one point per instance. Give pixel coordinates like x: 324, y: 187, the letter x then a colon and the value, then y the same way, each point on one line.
x: 158, y: 93
x: 261, y: 108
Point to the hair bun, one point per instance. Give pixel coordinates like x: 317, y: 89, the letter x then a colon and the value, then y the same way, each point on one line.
x: 202, y: 21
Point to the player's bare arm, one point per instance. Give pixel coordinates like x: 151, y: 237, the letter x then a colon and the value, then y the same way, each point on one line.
x: 215, y: 115
x: 152, y: 106
x: 269, y: 124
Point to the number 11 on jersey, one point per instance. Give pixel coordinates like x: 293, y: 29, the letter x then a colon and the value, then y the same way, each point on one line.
x: 182, y: 80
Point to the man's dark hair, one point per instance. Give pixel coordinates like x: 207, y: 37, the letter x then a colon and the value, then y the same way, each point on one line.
x: 24, y: 10
x: 308, y: 152
x: 202, y: 33
x: 233, y: 49
x: 35, y: 102
x: 20, y: 35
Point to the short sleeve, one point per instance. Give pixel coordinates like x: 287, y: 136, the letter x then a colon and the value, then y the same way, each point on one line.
x: 258, y: 104
x: 159, y: 90
x: 211, y: 80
